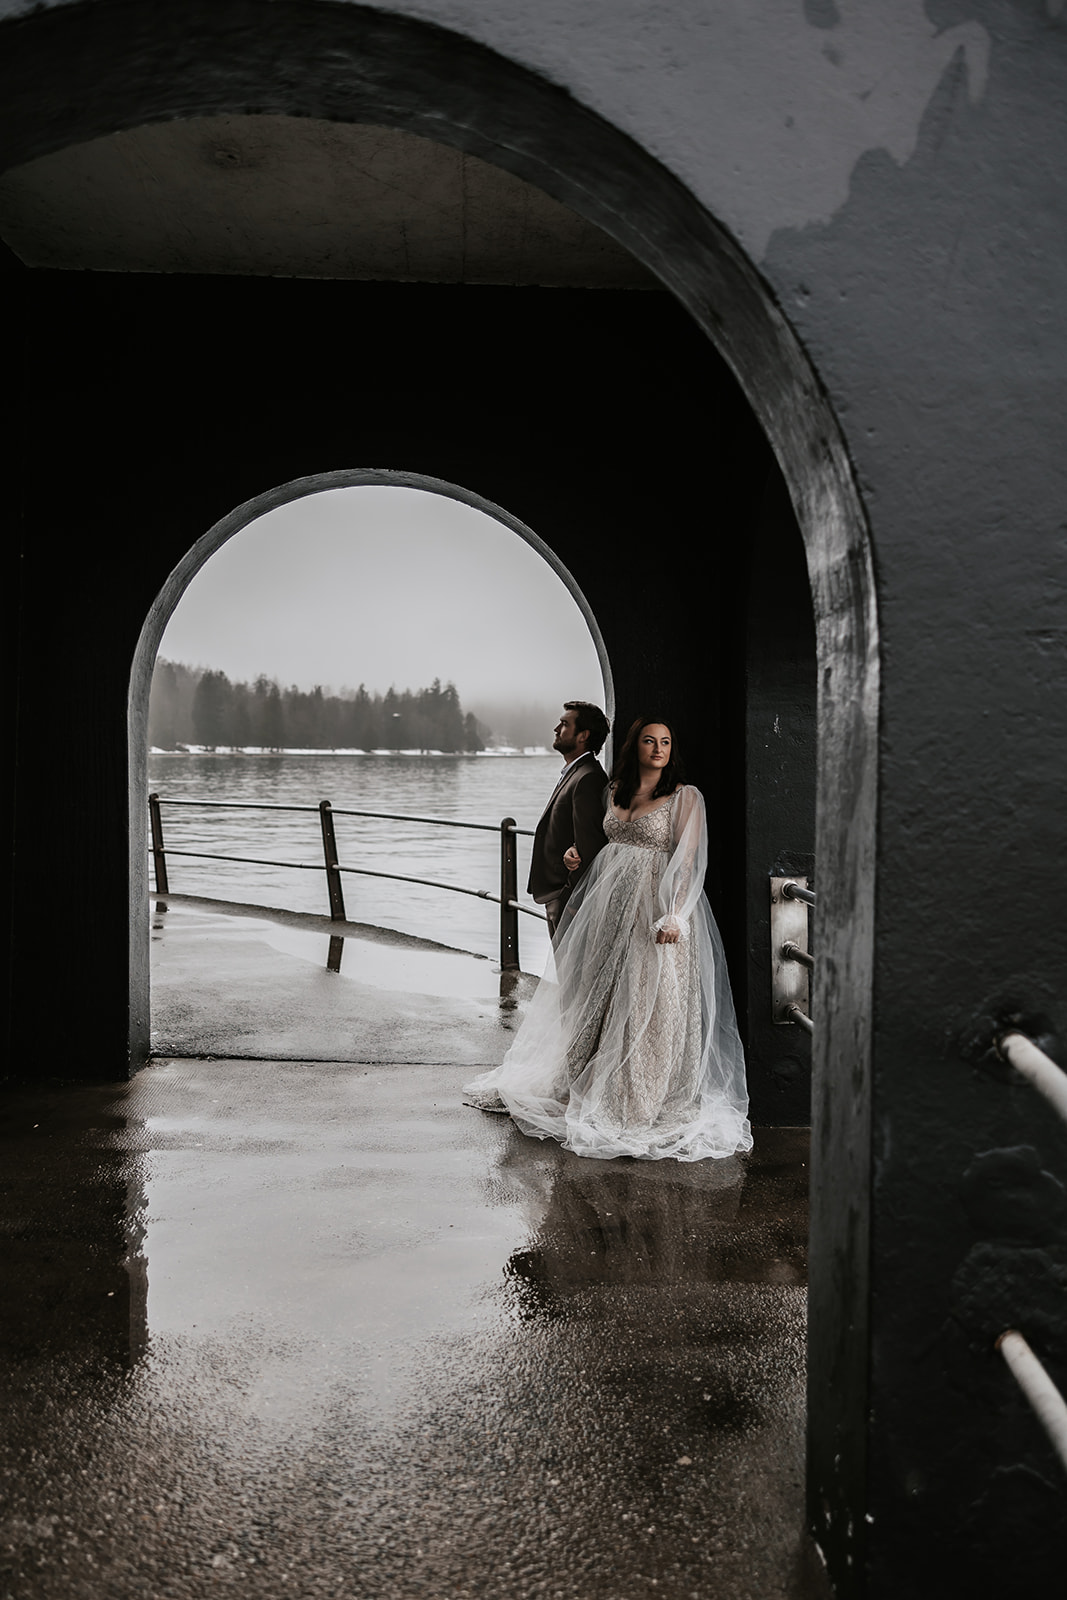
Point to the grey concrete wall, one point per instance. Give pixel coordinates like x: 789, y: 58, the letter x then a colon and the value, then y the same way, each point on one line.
x: 930, y: 299
x: 894, y: 174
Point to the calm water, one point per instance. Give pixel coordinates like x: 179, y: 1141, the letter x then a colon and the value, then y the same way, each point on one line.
x: 476, y: 789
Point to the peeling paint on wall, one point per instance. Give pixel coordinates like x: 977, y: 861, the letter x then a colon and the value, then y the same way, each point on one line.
x: 762, y: 110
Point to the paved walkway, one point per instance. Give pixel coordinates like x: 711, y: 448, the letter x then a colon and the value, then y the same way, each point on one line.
x: 229, y: 981
x: 316, y: 1329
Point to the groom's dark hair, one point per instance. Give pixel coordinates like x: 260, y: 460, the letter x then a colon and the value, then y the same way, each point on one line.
x: 591, y: 720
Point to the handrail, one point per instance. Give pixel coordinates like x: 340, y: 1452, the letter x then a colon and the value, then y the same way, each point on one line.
x: 249, y: 861
x: 1047, y: 1401
x: 801, y: 1017
x: 430, y: 883
x: 792, y: 964
x: 440, y: 822
x: 338, y: 811
x: 363, y: 872
x: 1036, y: 1067
x: 233, y: 805
x: 527, y: 911
x: 1048, y: 1404
x: 506, y: 830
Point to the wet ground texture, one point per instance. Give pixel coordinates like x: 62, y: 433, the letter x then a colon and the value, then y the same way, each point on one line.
x: 280, y: 1328
x: 234, y: 981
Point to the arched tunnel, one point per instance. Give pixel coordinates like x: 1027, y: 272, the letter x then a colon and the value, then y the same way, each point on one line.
x: 699, y: 303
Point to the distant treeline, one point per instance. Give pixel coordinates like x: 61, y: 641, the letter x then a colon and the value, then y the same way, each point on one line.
x: 521, y: 726
x: 194, y: 705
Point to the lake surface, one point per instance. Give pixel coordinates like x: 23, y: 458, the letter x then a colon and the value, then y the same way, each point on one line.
x: 468, y: 788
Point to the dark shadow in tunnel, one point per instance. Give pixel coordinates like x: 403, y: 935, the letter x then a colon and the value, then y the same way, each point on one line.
x: 74, y: 74
x: 74, y: 1271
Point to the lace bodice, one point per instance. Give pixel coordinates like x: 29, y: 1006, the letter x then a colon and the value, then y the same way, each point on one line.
x: 630, y: 1046
x: 653, y: 831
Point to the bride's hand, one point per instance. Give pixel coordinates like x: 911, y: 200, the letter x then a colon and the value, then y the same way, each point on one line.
x: 667, y: 935
x: 571, y: 859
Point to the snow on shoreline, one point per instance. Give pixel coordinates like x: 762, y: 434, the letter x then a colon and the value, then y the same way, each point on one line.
x: 262, y: 750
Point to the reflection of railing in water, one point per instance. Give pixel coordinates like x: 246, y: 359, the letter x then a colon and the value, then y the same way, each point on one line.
x: 507, y: 830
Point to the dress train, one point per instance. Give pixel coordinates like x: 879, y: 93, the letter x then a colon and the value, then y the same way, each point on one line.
x: 630, y: 1047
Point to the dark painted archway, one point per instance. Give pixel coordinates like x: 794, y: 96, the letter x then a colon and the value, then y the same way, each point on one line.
x: 89, y: 69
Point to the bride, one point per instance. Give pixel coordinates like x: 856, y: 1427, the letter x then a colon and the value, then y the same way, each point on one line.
x: 633, y: 1050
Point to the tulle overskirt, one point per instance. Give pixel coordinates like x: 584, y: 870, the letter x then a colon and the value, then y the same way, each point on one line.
x: 629, y: 1047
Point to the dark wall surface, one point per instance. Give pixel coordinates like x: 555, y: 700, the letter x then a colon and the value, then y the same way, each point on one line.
x: 934, y: 300
x: 603, y: 420
x: 916, y: 260
x: 778, y: 703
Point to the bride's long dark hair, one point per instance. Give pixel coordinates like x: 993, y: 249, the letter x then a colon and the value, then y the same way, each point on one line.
x: 625, y: 774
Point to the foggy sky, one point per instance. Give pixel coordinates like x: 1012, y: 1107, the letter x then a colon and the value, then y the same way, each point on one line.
x: 387, y: 586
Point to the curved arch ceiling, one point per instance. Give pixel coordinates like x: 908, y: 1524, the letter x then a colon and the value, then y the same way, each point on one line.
x: 281, y: 196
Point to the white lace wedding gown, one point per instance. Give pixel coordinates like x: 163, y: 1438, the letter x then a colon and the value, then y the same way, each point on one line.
x: 630, y: 1048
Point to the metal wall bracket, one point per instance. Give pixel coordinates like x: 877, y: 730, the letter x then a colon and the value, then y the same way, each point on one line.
x: 790, y: 959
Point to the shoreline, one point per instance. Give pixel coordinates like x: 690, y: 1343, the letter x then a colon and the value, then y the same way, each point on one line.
x: 260, y: 750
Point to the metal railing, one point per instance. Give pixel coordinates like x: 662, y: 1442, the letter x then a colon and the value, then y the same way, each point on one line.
x: 333, y: 869
x: 1036, y: 1067
x: 1046, y: 1401
x: 791, y: 964
x: 791, y: 961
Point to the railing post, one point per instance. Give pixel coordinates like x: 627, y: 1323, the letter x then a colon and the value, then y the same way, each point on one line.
x: 509, y: 891
x: 329, y: 850
x: 159, y: 855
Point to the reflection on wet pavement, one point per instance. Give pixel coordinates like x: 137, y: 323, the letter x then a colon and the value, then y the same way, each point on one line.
x: 390, y: 1347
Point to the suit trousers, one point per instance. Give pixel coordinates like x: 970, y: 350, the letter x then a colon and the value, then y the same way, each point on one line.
x: 553, y: 910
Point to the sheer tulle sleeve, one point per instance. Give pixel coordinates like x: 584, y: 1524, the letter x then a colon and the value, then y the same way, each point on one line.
x: 630, y: 1047
x: 682, y: 882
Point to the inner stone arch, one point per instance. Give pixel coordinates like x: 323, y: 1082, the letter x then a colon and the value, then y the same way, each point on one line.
x: 245, y: 517
x: 283, y: 196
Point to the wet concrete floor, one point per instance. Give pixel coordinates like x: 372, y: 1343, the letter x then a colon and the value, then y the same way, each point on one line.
x: 307, y: 1329
x: 234, y: 981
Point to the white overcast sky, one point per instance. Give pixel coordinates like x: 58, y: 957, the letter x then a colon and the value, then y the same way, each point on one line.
x: 387, y: 586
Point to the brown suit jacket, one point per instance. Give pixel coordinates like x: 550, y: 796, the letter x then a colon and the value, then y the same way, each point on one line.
x: 574, y: 815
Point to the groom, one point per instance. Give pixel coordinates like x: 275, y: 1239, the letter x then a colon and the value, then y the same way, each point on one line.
x: 575, y: 813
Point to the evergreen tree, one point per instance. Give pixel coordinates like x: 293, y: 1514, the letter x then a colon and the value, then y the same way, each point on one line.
x: 195, y: 706
x: 450, y: 720
x: 360, y: 722
x: 241, y: 720
x: 211, y: 708
x: 272, y: 733
x: 392, y: 717
x: 318, y: 733
x: 163, y: 707
x: 475, y: 733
